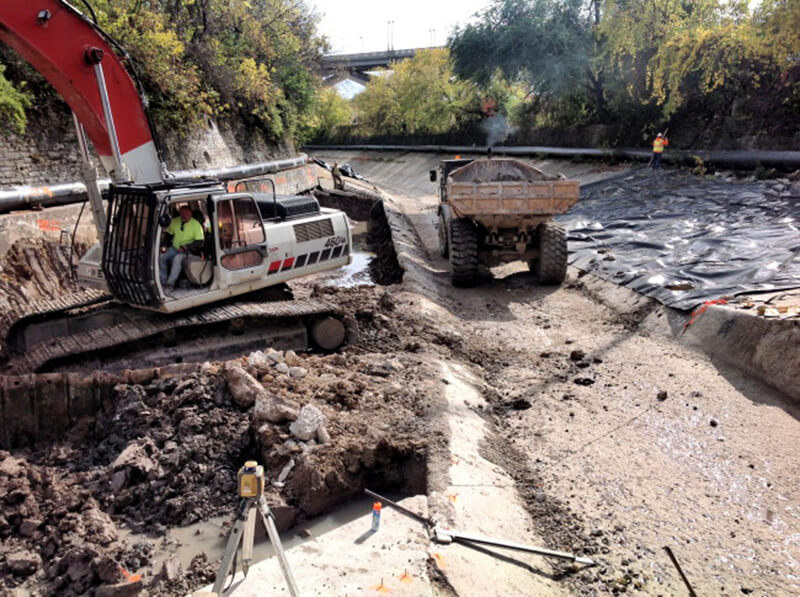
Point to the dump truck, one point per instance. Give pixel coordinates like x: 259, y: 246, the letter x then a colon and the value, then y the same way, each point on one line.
x: 494, y: 211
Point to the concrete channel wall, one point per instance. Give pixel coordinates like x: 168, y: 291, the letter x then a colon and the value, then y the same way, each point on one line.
x: 789, y: 160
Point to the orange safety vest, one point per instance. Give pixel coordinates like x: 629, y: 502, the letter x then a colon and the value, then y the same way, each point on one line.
x: 659, y: 144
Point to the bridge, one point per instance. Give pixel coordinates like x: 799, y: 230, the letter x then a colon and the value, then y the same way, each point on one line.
x: 356, y: 66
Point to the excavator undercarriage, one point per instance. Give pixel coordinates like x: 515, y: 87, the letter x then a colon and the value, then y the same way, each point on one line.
x: 89, y: 330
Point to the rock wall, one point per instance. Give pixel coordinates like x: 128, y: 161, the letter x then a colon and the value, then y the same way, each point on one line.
x: 48, y: 152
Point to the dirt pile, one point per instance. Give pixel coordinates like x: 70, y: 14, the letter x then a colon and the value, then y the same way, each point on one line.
x: 165, y: 453
x: 32, y: 270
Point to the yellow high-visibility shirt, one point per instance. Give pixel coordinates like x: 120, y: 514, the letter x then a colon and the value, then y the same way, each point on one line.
x: 659, y: 144
x: 184, y: 233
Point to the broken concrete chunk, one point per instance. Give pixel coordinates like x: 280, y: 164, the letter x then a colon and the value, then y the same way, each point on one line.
x: 392, y: 388
x: 23, y: 562
x: 307, y: 423
x: 323, y: 437
x: 286, y: 470
x: 243, y: 387
x: 11, y: 466
x: 282, y: 368
x: 291, y: 358
x: 275, y: 356
x: 297, y: 372
x: 273, y: 409
x: 288, y: 447
x: 136, y: 460
x: 393, y: 365
x: 171, y: 568
x: 258, y: 360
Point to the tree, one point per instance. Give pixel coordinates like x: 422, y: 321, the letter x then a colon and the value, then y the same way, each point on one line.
x: 13, y: 103
x: 544, y: 44
x: 330, y: 113
x: 416, y: 95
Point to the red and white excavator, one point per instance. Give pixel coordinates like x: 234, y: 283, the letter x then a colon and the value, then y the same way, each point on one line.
x: 252, y: 240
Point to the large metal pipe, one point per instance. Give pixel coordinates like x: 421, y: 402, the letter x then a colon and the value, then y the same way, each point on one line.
x: 747, y: 159
x: 28, y: 197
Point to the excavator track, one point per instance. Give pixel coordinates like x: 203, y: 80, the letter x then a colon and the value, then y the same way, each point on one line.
x: 15, y: 323
x: 158, y: 339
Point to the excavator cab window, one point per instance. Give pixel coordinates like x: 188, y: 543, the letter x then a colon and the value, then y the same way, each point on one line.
x: 241, y: 233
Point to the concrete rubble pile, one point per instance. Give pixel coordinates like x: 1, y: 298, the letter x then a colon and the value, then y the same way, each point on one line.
x: 164, y: 454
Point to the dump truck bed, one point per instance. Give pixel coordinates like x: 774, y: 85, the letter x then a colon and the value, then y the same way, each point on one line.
x: 503, y: 192
x: 541, y: 198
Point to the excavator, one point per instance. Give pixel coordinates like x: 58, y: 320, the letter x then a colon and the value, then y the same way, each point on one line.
x: 254, y: 241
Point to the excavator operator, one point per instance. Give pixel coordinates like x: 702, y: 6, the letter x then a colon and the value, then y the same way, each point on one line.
x: 187, y: 235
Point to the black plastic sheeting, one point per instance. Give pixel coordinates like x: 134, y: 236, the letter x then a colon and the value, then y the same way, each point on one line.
x: 683, y: 239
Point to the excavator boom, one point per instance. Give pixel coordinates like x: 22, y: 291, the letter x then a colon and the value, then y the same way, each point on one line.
x: 78, y: 60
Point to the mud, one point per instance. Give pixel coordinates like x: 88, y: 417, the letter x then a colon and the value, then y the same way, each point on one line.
x: 165, y: 454
x: 616, y: 439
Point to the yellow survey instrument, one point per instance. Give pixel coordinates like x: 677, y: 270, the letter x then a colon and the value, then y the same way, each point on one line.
x: 251, y: 480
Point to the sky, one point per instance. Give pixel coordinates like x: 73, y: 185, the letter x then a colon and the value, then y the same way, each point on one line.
x: 361, y: 25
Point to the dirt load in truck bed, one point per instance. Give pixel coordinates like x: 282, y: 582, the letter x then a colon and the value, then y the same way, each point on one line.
x: 508, y: 187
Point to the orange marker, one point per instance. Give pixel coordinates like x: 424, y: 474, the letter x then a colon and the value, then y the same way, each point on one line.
x: 376, y: 516
x: 381, y: 588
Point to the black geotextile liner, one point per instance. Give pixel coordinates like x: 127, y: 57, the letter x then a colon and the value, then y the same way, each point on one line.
x: 683, y: 239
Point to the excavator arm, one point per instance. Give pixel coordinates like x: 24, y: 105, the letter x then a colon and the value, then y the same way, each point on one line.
x: 79, y: 61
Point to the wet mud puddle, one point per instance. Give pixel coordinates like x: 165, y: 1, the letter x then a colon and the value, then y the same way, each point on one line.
x: 357, y: 273
x: 210, y: 536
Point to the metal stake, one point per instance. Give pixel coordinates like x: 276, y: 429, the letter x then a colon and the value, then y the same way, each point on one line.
x: 441, y: 535
x: 680, y: 571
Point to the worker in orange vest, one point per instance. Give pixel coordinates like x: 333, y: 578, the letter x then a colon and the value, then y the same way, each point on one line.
x: 659, y: 144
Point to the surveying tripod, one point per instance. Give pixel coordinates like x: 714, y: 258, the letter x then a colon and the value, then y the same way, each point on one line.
x: 251, y: 490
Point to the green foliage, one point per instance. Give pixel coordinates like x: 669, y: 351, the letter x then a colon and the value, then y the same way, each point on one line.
x: 255, y: 59
x: 641, y: 62
x: 542, y: 42
x: 417, y: 95
x: 329, y: 114
x: 178, y: 92
x: 13, y: 103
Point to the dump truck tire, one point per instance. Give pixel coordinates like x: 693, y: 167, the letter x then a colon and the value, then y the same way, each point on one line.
x: 441, y: 229
x: 463, y: 248
x: 551, y: 266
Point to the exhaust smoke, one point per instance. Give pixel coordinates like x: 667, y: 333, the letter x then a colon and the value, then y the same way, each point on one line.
x: 496, y: 129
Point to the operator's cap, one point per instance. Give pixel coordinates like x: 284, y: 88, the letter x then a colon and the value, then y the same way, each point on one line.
x: 660, y: 135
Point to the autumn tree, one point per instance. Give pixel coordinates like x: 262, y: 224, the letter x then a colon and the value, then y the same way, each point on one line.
x: 416, y: 95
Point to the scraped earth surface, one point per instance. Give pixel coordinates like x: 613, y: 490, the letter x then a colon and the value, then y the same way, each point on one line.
x: 616, y: 440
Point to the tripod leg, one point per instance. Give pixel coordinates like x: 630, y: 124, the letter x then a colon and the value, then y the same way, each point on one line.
x: 247, y: 540
x: 275, y: 539
x: 234, y: 538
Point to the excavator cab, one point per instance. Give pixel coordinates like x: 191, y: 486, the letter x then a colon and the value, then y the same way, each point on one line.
x: 137, y: 218
x: 253, y: 240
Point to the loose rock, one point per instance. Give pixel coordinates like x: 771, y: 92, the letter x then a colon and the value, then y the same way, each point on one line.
x: 23, y: 562
x: 307, y: 423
